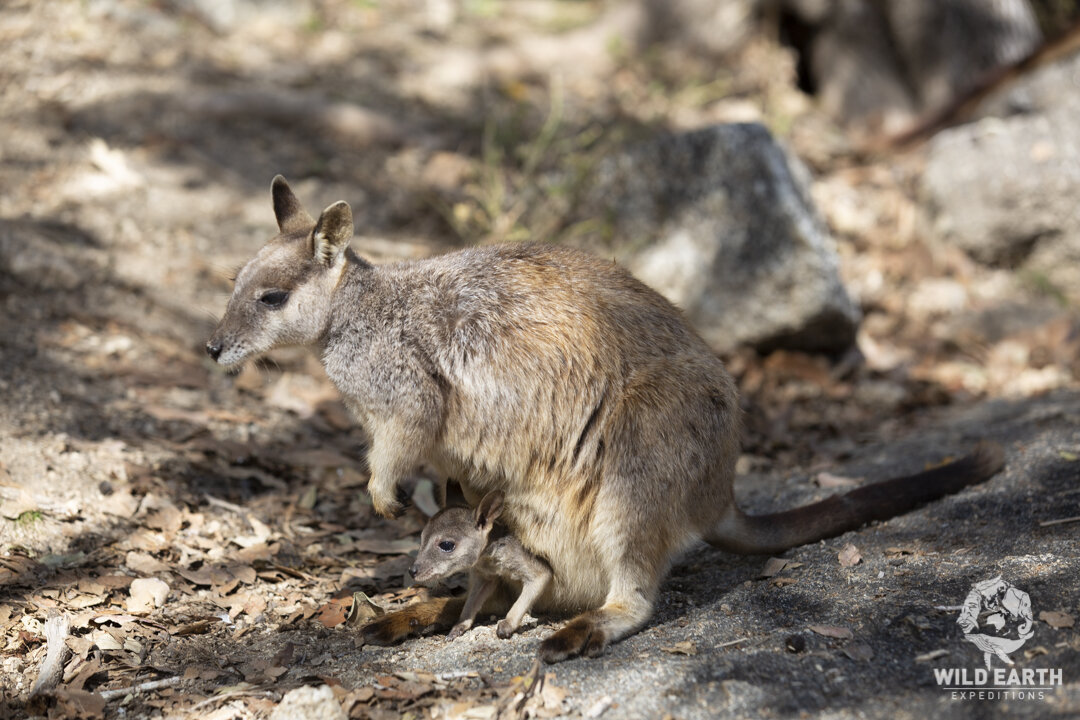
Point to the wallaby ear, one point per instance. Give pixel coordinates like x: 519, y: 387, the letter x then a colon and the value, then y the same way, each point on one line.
x: 453, y: 495
x: 489, y: 509
x: 332, y: 233
x: 287, y: 209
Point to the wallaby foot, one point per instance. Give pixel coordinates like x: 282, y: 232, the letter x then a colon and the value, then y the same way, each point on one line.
x: 581, y: 636
x: 590, y: 633
x: 394, y: 627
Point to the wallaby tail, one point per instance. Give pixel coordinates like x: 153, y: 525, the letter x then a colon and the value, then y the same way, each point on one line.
x: 398, y: 625
x: 753, y: 534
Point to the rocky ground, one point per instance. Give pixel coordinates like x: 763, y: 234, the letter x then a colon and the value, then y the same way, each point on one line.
x: 207, y: 537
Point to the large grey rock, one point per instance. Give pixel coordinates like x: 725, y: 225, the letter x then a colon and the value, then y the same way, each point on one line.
x: 720, y: 221
x: 1005, y: 189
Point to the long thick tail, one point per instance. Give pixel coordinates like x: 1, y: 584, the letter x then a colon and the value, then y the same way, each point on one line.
x: 753, y: 534
x: 398, y: 625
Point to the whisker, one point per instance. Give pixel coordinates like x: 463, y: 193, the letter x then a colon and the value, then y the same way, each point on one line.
x: 228, y: 272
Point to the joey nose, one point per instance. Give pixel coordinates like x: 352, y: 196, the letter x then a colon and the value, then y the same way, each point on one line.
x: 213, y: 349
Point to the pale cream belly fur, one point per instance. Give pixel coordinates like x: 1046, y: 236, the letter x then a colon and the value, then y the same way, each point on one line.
x: 548, y: 531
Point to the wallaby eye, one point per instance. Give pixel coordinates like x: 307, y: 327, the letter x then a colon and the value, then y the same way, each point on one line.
x: 274, y: 298
x: 447, y: 545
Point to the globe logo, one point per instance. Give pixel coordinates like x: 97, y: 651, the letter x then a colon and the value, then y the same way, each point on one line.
x: 996, y: 618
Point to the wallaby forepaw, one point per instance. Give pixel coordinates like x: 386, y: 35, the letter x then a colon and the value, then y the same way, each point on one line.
x: 571, y: 640
x: 505, y: 629
x: 388, y: 508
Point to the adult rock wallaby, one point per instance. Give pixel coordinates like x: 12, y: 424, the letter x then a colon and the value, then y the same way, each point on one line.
x: 552, y: 375
x: 457, y: 539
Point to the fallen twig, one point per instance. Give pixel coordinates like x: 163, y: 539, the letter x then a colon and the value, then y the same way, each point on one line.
x: 514, y: 705
x: 56, y: 654
x: 456, y: 674
x: 1059, y: 521
x: 141, y: 687
x: 729, y: 643
x: 225, y: 505
x: 229, y: 696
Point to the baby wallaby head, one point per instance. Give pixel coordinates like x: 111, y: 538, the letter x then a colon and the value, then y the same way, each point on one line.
x: 282, y: 296
x: 454, y: 538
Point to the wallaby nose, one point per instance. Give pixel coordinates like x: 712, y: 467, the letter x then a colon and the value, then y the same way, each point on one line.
x: 412, y: 572
x: 213, y: 349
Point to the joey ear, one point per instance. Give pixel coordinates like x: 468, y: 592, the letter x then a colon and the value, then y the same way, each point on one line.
x: 332, y: 232
x: 489, y: 509
x: 289, y: 212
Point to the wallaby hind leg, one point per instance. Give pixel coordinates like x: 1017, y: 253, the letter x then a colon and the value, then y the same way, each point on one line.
x: 629, y: 605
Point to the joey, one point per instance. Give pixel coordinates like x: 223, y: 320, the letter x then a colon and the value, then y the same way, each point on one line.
x: 457, y: 539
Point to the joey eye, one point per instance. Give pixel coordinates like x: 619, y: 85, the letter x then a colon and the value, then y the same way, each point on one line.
x: 447, y: 545
x: 274, y: 298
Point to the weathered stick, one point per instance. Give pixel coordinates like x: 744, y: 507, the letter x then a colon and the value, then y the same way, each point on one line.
x: 56, y: 654
x: 729, y: 643
x: 1059, y: 521
x: 229, y: 696
x: 148, y: 685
